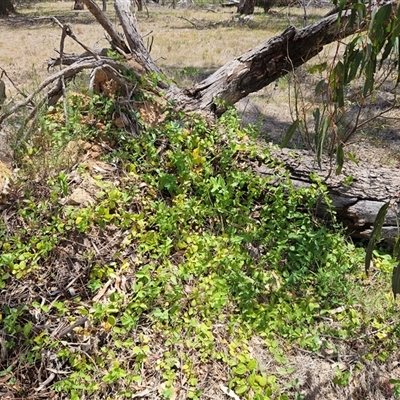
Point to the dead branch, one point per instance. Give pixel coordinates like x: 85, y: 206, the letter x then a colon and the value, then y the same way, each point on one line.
x: 116, y: 40
x: 67, y: 31
x: 67, y: 73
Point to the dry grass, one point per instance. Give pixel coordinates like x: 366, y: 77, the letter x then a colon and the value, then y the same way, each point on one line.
x: 27, y: 41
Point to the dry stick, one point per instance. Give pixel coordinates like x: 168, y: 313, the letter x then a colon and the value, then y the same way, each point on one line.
x: 4, y: 72
x: 70, y: 328
x: 67, y: 30
x: 46, y: 382
x: 62, y: 40
x: 374, y: 332
x: 190, y: 22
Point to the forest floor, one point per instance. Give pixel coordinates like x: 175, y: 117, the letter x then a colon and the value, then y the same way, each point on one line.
x: 189, y: 44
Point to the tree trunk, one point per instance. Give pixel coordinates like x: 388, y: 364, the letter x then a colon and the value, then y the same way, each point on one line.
x: 6, y: 7
x: 139, y: 5
x: 243, y: 75
x: 266, y: 63
x: 357, y: 193
x: 79, y: 5
x: 104, y: 5
x: 246, y: 7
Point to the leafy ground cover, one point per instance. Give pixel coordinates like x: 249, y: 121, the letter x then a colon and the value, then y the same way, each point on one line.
x: 157, y: 265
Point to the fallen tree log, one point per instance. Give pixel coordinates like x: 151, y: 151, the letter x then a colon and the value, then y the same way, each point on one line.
x: 357, y: 194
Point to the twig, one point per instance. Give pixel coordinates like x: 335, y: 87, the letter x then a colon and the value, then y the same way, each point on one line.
x: 312, y: 353
x: 144, y: 393
x: 102, y: 291
x: 55, y: 371
x: 67, y: 30
x: 190, y: 22
x: 46, y: 382
x: 4, y: 72
x: 374, y: 332
x: 64, y: 91
x: 80, y: 322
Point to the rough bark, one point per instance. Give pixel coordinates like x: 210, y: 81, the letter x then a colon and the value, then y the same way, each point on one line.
x: 243, y: 75
x: 134, y: 46
x: 246, y: 7
x: 357, y: 193
x: 135, y: 41
x: 266, y: 63
x: 139, y: 5
x: 6, y: 8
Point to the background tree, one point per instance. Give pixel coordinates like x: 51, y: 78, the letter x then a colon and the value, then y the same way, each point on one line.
x: 6, y: 7
x: 246, y: 7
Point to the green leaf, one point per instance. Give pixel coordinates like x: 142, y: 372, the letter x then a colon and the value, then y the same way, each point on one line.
x: 289, y: 133
x: 376, y: 234
x: 352, y: 158
x: 320, y: 86
x: 261, y: 380
x: 241, y: 369
x: 396, y: 281
x: 396, y: 250
x: 321, y: 139
x: 337, y: 83
x: 318, y: 68
x: 252, y: 364
x: 339, y: 159
x: 241, y: 389
x: 27, y: 329
x: 317, y: 118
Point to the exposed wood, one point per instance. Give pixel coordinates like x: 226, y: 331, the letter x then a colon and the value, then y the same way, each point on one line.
x: 356, y: 203
x: 241, y: 76
x: 266, y: 63
x: 135, y: 41
x: 116, y: 40
x: 69, y: 59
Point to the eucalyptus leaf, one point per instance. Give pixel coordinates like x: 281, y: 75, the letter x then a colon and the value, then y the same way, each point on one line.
x: 396, y: 281
x: 376, y: 234
x: 289, y: 133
